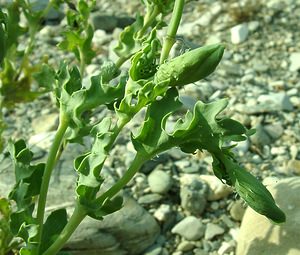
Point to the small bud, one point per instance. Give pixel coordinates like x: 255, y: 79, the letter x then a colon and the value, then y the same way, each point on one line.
x: 257, y: 196
x: 190, y: 67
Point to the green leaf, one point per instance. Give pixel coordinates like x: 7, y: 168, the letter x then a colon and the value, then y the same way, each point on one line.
x: 28, y: 181
x: 53, y: 226
x: 45, y: 77
x: 76, y: 100
x: 128, y: 44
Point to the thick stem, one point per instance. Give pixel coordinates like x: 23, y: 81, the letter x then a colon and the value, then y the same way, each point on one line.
x: 63, y: 125
x: 136, y: 164
x: 76, y: 218
x: 170, y: 38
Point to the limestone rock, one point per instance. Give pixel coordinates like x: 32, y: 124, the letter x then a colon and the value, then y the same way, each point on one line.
x: 259, y: 236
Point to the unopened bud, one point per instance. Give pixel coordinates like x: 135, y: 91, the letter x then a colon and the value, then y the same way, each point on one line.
x: 190, y: 67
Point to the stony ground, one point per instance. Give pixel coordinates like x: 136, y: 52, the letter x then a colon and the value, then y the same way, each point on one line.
x: 259, y: 73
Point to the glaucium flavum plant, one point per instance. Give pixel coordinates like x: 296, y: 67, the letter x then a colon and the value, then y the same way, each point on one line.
x: 153, y: 84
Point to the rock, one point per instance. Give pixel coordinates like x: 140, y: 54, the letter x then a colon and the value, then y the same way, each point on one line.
x: 45, y: 123
x: 100, y: 37
x: 193, y: 189
x: 226, y: 247
x: 276, y: 102
x: 150, y: 199
x: 159, y: 181
x: 128, y: 231
x: 239, y: 33
x: 253, y: 25
x: 190, y: 228
x: 259, y: 236
x: 294, y: 61
x: 237, y: 210
x: 260, y: 138
x: 163, y: 212
x: 294, y: 166
x: 213, y: 230
x: 185, y: 246
x: 274, y: 130
x: 42, y: 140
x: 104, y: 22
x: 217, y: 189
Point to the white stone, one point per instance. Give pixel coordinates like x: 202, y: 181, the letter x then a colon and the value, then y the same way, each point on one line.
x: 217, y: 189
x: 239, y: 33
x: 213, y: 230
x: 258, y: 235
x: 295, y: 61
x: 190, y: 228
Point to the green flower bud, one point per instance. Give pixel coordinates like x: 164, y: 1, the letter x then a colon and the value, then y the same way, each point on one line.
x: 190, y: 67
x: 257, y: 196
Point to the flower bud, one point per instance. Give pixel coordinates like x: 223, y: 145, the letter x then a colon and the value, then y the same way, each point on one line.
x: 190, y: 67
x: 257, y: 196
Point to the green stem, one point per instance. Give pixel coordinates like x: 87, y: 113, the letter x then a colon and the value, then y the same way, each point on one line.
x: 170, y: 38
x: 82, y: 62
x: 76, y: 218
x: 136, y: 164
x: 121, y: 61
x: 63, y: 125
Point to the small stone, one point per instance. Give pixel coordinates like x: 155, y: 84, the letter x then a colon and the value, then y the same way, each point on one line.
x: 159, y: 182
x: 239, y: 33
x: 162, y: 212
x: 226, y: 247
x: 199, y: 251
x: 295, y: 61
x: 104, y: 22
x: 100, y: 37
x: 190, y: 228
x: 191, y: 190
x: 217, y: 189
x: 153, y: 250
x: 253, y: 25
x: 212, y: 230
x: 185, y: 246
x: 294, y: 166
x: 274, y: 130
x: 150, y: 199
x: 276, y: 101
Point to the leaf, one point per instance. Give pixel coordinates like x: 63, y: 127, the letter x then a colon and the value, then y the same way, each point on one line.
x: 45, y: 77
x: 128, y: 44
x: 76, y: 100
x: 28, y: 181
x: 53, y: 226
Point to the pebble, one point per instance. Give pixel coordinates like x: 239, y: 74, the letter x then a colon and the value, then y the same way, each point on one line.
x: 190, y: 228
x: 217, y: 189
x: 226, y: 247
x: 294, y: 166
x: 185, y: 246
x: 193, y: 194
x: 274, y: 130
x: 276, y: 101
x: 294, y: 61
x: 162, y: 212
x: 159, y: 182
x: 150, y: 199
x: 213, y: 230
x: 239, y: 33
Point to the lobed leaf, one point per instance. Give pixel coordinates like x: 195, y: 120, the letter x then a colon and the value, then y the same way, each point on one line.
x: 89, y: 166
